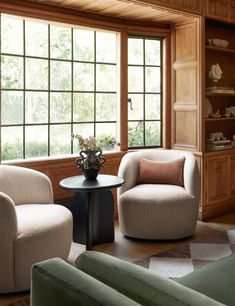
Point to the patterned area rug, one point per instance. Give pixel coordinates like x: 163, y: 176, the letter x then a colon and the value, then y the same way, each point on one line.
x: 180, y: 261
x: 24, y: 302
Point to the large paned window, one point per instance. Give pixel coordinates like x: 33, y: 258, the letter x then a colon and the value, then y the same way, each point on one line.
x: 55, y: 80
x: 58, y: 79
x: 144, y: 92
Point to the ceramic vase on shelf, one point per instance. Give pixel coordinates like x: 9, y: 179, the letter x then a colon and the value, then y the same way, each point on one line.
x: 90, y: 161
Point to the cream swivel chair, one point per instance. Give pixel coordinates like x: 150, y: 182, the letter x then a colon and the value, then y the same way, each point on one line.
x: 158, y: 211
x: 32, y: 228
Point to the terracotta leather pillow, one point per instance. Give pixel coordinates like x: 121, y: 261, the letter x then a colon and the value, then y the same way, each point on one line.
x: 156, y: 172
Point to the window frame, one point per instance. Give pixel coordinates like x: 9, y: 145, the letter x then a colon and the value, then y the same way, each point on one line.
x: 56, y: 14
x: 71, y: 62
x: 144, y: 92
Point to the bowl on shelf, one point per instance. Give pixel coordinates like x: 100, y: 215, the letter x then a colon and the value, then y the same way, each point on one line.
x: 218, y: 42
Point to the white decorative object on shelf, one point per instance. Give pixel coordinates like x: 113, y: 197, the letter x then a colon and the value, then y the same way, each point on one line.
x: 208, y: 108
x: 215, y: 73
x: 221, y: 43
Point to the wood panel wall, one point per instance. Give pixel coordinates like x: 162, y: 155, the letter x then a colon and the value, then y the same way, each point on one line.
x: 186, y: 89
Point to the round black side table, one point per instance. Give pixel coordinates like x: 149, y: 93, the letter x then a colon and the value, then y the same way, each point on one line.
x: 93, y: 208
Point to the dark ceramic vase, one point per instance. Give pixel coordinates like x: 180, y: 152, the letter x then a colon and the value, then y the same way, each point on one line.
x: 90, y: 161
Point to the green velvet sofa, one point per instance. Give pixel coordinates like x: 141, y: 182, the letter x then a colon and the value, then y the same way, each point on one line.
x: 100, y: 279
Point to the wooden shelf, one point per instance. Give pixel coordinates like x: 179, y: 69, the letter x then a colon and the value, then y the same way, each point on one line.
x: 226, y: 50
x: 216, y: 94
x: 219, y: 119
x: 222, y: 151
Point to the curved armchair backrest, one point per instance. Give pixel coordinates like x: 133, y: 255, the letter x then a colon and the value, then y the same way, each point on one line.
x: 25, y: 186
x: 129, y: 168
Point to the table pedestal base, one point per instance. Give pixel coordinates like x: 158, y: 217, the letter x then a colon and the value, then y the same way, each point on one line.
x: 93, y: 217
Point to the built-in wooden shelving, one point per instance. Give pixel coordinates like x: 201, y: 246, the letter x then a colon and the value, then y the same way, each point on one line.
x: 226, y: 50
x: 219, y: 119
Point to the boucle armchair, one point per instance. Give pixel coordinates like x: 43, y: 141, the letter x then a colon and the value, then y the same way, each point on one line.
x: 32, y: 228
x: 158, y: 211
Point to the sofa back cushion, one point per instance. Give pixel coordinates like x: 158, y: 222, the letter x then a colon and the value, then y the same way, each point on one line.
x: 139, y: 284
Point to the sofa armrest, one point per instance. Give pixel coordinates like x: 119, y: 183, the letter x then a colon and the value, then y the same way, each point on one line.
x: 139, y: 284
x: 8, y: 233
x: 55, y: 282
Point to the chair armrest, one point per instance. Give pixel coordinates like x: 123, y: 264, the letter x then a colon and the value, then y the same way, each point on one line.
x: 55, y: 282
x: 139, y: 284
x: 192, y: 176
x: 8, y: 230
x: 129, y: 171
x: 25, y: 186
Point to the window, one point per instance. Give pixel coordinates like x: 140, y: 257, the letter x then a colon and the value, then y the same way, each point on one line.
x: 144, y: 92
x: 55, y: 80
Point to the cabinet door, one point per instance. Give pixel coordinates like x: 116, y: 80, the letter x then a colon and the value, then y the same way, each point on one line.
x: 217, y: 179
x: 232, y: 176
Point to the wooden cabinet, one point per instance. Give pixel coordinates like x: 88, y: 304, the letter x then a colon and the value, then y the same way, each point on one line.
x: 217, y: 177
x: 225, y: 57
x: 218, y: 167
x: 232, y: 176
x: 218, y: 184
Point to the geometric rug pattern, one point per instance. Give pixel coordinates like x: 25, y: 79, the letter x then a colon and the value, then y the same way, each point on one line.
x: 182, y: 260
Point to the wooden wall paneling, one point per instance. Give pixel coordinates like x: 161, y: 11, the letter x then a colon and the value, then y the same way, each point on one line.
x: 211, y: 7
x: 99, y: 11
x: 191, y: 6
x: 123, y: 89
x: 58, y: 14
x: 186, y: 91
x: 223, y: 7
x: 218, y: 9
x: 186, y: 84
x: 185, y: 129
x: 166, y: 92
x: 232, y: 10
x: 201, y: 82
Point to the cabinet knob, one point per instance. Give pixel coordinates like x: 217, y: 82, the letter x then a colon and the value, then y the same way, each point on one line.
x: 218, y: 170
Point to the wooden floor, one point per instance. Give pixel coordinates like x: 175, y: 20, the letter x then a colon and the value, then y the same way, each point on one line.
x: 133, y: 249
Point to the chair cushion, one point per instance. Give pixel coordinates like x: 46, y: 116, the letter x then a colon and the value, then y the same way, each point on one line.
x: 161, y: 194
x: 157, y: 211
x: 161, y: 172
